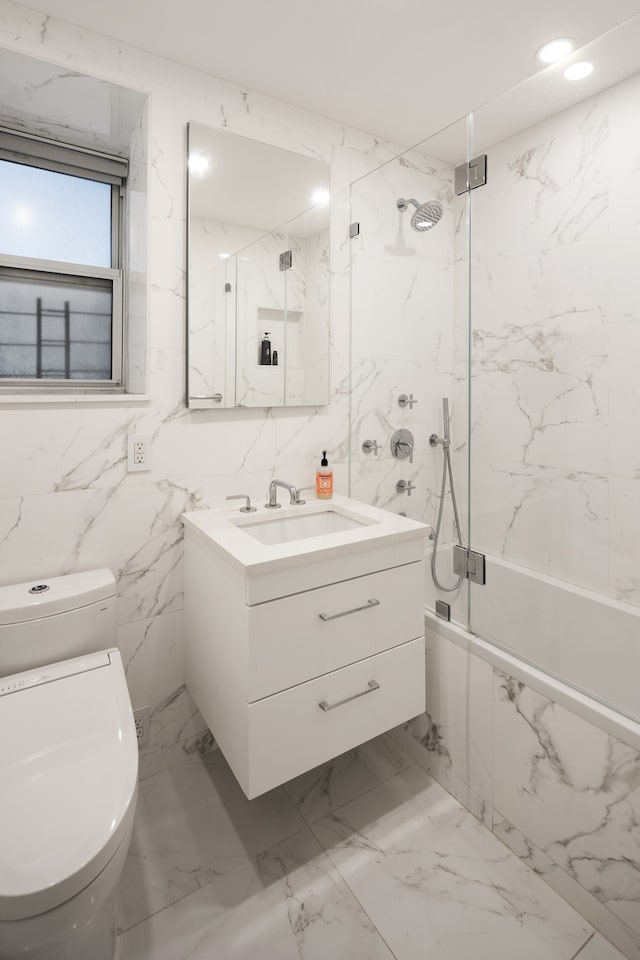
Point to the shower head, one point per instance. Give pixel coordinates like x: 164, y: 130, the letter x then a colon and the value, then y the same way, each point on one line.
x: 426, y: 215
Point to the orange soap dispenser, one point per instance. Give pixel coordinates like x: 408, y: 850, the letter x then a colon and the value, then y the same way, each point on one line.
x: 324, y: 479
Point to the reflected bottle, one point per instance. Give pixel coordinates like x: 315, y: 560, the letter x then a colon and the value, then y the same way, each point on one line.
x: 265, y: 350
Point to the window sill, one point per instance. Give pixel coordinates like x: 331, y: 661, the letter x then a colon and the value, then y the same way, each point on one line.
x: 47, y: 399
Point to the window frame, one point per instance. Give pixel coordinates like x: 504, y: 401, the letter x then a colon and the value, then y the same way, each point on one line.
x: 91, y: 165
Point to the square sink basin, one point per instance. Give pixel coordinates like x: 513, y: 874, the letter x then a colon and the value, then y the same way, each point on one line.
x: 288, y: 529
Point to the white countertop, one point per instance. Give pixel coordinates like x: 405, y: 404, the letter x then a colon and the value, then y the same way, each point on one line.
x: 222, y: 530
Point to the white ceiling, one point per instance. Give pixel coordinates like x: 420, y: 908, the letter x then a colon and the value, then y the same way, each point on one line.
x: 400, y: 69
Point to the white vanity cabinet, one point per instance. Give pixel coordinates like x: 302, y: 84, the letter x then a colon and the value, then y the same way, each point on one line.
x: 294, y: 659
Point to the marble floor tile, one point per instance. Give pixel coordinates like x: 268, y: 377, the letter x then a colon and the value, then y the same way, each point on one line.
x: 193, y: 824
x: 438, y: 884
x: 289, y: 903
x: 599, y: 949
x: 332, y: 784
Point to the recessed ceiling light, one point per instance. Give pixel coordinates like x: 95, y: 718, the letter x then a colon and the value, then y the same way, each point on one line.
x: 224, y: 256
x: 578, y: 71
x: 198, y: 163
x: 320, y: 196
x: 555, y: 50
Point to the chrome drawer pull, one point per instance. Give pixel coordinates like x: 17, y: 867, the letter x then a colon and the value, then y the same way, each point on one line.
x: 371, y: 686
x: 345, y: 613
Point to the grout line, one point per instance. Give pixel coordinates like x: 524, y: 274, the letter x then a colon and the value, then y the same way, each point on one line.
x: 353, y: 893
x: 358, y: 796
x: 124, y: 932
x: 583, y: 946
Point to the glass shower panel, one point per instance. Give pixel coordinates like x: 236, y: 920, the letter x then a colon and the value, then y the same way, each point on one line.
x: 555, y: 316
x: 306, y: 354
x: 409, y: 339
x: 261, y: 312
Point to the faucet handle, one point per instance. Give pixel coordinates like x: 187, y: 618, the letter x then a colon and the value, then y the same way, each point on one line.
x: 300, y: 490
x: 404, y: 486
x: 369, y: 445
x: 402, y: 444
x: 247, y: 502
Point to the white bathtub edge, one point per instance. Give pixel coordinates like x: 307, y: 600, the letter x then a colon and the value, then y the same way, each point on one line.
x: 607, y: 719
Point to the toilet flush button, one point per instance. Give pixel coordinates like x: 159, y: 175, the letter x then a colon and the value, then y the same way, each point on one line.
x: 39, y: 588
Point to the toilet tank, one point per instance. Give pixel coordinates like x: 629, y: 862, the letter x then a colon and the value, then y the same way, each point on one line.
x: 44, y: 621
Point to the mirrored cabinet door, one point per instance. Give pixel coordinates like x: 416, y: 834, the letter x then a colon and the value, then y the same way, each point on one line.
x: 257, y: 328
x: 210, y: 338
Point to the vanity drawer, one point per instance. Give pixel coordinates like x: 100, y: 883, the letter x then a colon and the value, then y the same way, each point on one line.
x: 303, y: 636
x: 296, y: 730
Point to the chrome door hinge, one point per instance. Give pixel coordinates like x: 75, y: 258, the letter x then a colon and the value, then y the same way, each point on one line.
x: 469, y: 564
x: 471, y: 175
x: 286, y: 260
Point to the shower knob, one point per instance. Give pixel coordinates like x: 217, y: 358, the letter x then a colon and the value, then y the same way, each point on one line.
x: 406, y: 401
x: 370, y: 445
x: 405, y: 486
x: 402, y: 444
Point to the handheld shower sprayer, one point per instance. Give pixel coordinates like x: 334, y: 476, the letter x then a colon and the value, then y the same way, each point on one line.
x: 447, y: 470
x: 445, y: 418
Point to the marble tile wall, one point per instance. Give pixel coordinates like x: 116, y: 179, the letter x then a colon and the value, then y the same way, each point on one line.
x: 66, y: 500
x: 556, y: 405
x: 561, y: 792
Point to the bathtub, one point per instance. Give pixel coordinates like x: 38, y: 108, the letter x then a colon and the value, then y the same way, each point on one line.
x: 551, y: 767
x: 575, y: 643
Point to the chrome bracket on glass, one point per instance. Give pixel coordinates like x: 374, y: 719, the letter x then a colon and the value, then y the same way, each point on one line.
x: 354, y: 229
x: 471, y: 175
x: 345, y: 613
x: 443, y: 610
x: 371, y: 686
x: 469, y: 564
x: 286, y: 260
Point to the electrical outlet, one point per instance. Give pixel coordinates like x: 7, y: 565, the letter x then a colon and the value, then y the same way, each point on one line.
x: 141, y: 720
x: 138, y: 452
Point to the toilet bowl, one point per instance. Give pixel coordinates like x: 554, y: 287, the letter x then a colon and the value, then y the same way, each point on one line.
x: 68, y: 770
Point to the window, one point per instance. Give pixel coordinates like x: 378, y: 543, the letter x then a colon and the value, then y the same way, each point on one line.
x: 61, y: 258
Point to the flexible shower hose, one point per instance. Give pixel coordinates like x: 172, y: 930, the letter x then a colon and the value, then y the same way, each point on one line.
x: 446, y: 467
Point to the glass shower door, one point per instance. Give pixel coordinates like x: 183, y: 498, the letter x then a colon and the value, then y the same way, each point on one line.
x: 555, y: 492
x: 409, y: 342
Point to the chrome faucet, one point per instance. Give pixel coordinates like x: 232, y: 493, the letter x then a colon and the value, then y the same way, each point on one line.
x: 294, y: 496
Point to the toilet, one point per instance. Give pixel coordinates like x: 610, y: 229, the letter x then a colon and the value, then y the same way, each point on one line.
x: 68, y: 768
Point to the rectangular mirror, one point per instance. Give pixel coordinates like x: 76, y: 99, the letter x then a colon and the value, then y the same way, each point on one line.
x: 257, y: 274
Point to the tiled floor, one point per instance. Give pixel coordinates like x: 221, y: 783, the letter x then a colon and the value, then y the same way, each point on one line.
x: 365, y: 858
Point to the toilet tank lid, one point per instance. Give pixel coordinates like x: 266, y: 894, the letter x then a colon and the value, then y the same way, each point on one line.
x: 48, y: 596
